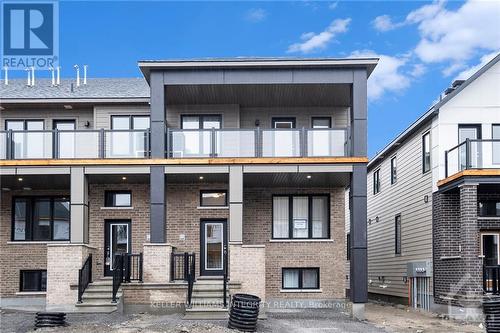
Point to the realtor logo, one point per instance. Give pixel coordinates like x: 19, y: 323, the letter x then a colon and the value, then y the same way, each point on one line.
x: 30, y: 35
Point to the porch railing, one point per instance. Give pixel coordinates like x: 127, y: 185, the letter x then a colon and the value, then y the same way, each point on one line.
x: 491, y: 279
x: 225, y: 271
x: 133, y: 267
x: 84, y: 277
x: 181, y: 265
x: 473, y: 154
x: 117, y: 274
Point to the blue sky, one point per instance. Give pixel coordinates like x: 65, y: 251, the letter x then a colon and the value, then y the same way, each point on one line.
x: 423, y: 45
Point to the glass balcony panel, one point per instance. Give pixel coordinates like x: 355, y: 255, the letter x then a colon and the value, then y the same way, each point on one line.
x: 126, y: 144
x: 196, y: 143
x: 3, y: 145
x: 32, y: 144
x: 326, y: 142
x: 281, y: 143
x: 79, y: 144
x: 237, y: 143
x: 454, y: 161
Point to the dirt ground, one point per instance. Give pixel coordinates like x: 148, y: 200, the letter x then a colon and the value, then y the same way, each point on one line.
x: 399, y: 319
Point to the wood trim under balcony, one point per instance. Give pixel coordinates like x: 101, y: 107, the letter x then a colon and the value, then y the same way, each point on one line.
x: 187, y: 161
x: 472, y: 172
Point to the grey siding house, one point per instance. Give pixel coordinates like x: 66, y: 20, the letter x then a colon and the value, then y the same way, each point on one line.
x: 200, y: 180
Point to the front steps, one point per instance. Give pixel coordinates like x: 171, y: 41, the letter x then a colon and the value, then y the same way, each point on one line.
x: 207, y: 302
x: 98, y: 296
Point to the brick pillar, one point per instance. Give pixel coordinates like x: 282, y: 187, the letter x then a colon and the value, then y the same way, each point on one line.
x: 156, y: 264
x: 471, y: 288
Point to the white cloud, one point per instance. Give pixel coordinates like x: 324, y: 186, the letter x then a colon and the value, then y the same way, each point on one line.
x: 316, y: 41
x: 467, y: 73
x: 418, y: 70
x: 333, y: 5
x: 388, y: 76
x: 384, y: 23
x: 256, y: 15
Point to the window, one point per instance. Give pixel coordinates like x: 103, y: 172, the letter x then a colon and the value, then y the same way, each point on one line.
x: 118, y: 199
x: 33, y: 280
x: 301, y: 216
x: 394, y: 170
x: 24, y: 125
x: 348, y: 246
x: 489, y: 208
x: 376, y: 181
x: 490, y: 248
x: 495, y: 135
x: 201, y: 121
x: 426, y: 152
x: 213, y: 198
x: 40, y: 219
x: 321, y: 122
x: 130, y: 122
x: 397, y: 235
x: 281, y: 122
x: 300, y: 278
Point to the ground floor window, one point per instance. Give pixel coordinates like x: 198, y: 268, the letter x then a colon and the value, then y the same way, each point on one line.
x: 490, y: 248
x: 40, y: 218
x: 300, y: 278
x: 33, y: 280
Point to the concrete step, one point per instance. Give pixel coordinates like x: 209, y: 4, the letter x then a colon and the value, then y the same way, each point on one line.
x: 99, y: 287
x: 99, y: 296
x: 209, y: 293
x: 102, y: 282
x: 196, y: 298
x: 205, y: 313
x: 96, y: 306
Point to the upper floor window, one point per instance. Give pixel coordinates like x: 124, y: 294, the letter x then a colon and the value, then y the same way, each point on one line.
x: 321, y: 122
x: 376, y: 181
x: 24, y: 125
x: 426, y: 152
x: 201, y: 121
x: 489, y: 208
x: 301, y: 216
x: 397, y: 235
x: 33, y: 280
x: 132, y: 122
x: 213, y: 198
x: 118, y: 199
x: 40, y: 219
x: 495, y: 135
x: 394, y: 170
x: 283, y: 122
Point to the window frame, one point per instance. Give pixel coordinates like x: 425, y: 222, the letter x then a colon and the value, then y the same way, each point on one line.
x: 226, y: 203
x: 309, y: 216
x: 424, y: 169
x: 398, y: 235
x: 320, y: 118
x: 376, y: 184
x: 479, y: 208
x: 30, y: 205
x: 25, y: 123
x: 111, y: 192
x: 130, y: 120
x: 39, y: 282
x: 481, y: 242
x: 394, y: 170
x: 300, y: 282
x: 200, y: 120
x: 493, y: 126
x: 292, y: 120
x: 348, y: 246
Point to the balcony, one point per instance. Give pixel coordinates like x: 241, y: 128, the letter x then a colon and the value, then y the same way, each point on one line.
x: 473, y: 154
x: 181, y: 143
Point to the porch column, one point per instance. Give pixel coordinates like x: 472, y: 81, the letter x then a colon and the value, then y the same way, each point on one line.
x: 157, y: 217
x: 236, y: 204
x: 357, y: 197
x: 79, y: 206
x: 469, y: 245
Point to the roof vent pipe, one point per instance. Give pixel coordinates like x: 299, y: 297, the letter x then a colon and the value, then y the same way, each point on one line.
x: 53, y: 82
x: 58, y: 70
x: 6, y: 76
x: 85, y: 74
x: 77, y: 75
x: 32, y: 76
x: 28, y: 82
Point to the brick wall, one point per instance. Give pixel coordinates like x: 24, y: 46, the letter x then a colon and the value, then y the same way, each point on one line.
x: 18, y: 256
x: 248, y: 266
x: 328, y: 256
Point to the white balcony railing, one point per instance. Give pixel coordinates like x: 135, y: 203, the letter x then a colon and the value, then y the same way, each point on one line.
x: 473, y: 154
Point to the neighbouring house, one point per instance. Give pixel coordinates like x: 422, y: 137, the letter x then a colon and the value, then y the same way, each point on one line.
x: 434, y: 202
x: 204, y: 178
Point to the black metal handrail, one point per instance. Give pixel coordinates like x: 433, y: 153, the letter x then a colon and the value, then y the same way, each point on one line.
x: 84, y: 277
x: 491, y: 279
x: 133, y: 267
x: 224, y: 296
x: 191, y: 276
x: 117, y: 274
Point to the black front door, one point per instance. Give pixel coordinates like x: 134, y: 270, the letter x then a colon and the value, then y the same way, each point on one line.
x: 117, y: 241
x: 213, y: 247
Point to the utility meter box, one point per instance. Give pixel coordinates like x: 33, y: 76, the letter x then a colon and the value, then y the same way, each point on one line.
x: 419, y: 268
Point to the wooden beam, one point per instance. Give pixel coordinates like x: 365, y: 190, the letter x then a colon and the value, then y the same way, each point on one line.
x: 473, y: 172
x: 187, y: 161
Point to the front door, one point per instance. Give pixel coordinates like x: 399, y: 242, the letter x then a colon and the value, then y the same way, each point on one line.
x: 213, y: 247
x: 116, y: 242
x: 66, y: 139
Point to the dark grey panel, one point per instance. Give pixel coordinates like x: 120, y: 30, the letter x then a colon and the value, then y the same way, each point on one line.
x: 194, y: 77
x: 319, y: 180
x: 359, y: 275
x: 157, y: 184
x: 35, y: 182
x: 157, y: 223
x: 322, y: 76
x: 359, y: 137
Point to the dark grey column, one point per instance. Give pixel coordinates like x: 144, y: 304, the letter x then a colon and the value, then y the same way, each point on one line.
x: 157, y: 218
x: 79, y: 203
x: 357, y: 197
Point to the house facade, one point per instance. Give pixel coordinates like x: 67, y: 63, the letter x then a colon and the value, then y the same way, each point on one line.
x: 434, y: 204
x: 202, y: 179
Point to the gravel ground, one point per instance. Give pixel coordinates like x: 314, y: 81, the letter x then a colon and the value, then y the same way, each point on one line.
x: 312, y: 321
